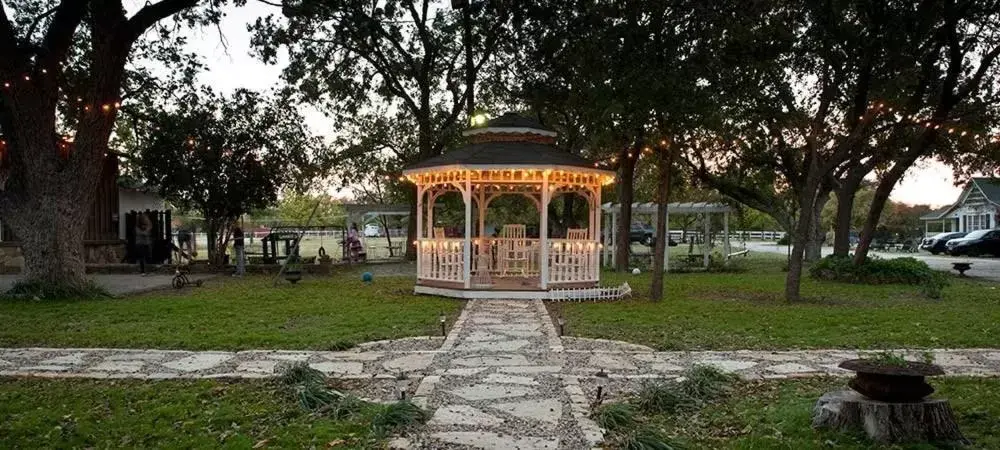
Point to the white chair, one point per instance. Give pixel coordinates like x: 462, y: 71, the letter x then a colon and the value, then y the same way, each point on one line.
x: 514, y: 250
x: 579, y: 234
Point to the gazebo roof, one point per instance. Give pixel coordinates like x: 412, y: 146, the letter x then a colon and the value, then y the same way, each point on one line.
x: 510, y: 141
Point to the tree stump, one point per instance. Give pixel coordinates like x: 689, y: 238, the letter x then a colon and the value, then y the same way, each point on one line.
x: 929, y: 419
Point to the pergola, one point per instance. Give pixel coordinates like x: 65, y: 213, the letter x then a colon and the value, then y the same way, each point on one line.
x: 613, y: 210
x: 511, y: 155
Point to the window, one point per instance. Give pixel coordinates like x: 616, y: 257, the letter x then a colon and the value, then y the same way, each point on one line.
x: 977, y: 222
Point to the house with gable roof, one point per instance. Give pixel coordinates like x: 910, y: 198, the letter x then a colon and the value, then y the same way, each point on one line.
x: 978, y: 208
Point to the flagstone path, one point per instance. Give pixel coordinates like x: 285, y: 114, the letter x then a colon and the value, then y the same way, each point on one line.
x: 502, y: 378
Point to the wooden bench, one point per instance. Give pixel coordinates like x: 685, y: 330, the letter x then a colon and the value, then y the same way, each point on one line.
x: 961, y: 267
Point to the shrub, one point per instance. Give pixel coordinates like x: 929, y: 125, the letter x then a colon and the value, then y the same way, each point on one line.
x: 881, y: 271
x: 784, y: 240
x: 615, y: 416
x: 395, y: 416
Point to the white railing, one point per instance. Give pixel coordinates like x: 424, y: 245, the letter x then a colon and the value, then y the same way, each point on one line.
x: 594, y: 294
x: 441, y: 259
x: 572, y: 261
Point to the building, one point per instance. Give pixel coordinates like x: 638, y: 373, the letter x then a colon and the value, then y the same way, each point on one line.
x: 978, y: 208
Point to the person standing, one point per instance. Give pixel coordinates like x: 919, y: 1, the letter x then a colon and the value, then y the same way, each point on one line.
x: 238, y: 249
x: 143, y: 241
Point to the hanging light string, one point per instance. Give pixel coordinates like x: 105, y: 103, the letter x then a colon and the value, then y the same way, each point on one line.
x: 106, y: 107
x: 951, y: 128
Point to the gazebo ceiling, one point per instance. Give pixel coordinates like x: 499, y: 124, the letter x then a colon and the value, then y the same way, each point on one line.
x: 508, y: 142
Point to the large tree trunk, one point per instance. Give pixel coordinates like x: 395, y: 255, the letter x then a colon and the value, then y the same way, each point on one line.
x: 817, y: 234
x: 626, y: 194
x: 665, y: 164
x: 411, y: 226
x: 879, y: 199
x: 51, y: 236
x: 843, y: 221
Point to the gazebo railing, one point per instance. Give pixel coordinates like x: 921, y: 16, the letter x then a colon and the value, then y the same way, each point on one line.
x: 573, y: 261
x: 570, y: 260
x: 441, y: 259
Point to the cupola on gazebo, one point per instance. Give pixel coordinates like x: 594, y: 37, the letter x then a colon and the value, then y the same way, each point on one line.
x: 511, y: 155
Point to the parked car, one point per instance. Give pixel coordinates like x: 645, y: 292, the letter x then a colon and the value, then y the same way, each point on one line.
x: 641, y: 233
x: 372, y: 230
x: 976, y: 243
x: 938, y: 243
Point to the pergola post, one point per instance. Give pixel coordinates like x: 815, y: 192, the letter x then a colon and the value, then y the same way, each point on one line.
x: 467, y: 248
x: 543, y: 232
x: 705, y: 246
x: 666, y: 235
x: 614, y: 237
x: 725, y: 236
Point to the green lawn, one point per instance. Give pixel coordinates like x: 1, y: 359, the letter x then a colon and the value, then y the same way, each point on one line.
x: 747, y: 311
x: 777, y: 415
x: 231, y: 314
x: 36, y: 413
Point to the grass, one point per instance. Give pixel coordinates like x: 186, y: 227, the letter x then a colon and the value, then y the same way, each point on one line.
x: 777, y: 415
x: 321, y: 313
x: 68, y: 413
x: 747, y: 310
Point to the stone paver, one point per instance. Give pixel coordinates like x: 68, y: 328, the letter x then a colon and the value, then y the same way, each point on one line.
x: 501, y: 379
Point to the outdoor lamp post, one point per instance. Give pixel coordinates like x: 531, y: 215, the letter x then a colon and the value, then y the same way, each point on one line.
x: 602, y: 383
x: 562, y: 325
x: 402, y: 384
x: 442, y: 319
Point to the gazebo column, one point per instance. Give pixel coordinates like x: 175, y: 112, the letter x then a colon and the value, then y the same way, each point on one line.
x: 543, y: 232
x: 613, y: 232
x: 420, y: 229
x: 595, y: 229
x: 467, y: 248
x: 482, y: 214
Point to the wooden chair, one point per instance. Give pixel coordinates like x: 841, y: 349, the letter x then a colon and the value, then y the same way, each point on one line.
x: 514, y: 250
x: 579, y: 234
x: 439, y: 233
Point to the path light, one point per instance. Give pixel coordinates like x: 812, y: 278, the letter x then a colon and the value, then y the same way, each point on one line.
x: 402, y: 384
x: 442, y: 319
x: 562, y: 325
x: 602, y: 382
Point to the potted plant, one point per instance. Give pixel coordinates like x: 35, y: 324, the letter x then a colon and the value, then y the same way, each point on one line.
x: 889, y: 377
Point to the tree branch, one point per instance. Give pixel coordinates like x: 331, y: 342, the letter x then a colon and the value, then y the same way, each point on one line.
x: 58, y: 39
x: 8, y: 42
x: 150, y: 14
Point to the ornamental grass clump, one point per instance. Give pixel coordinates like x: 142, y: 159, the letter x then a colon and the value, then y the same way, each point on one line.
x: 397, y: 416
x: 615, y: 416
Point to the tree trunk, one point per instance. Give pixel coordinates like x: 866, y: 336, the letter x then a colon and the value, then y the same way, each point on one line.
x: 626, y: 194
x: 845, y: 214
x: 411, y: 227
x: 879, y: 200
x: 931, y: 419
x: 817, y: 234
x: 665, y: 164
x: 51, y: 238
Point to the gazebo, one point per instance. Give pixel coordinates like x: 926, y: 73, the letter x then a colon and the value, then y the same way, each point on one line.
x: 511, y: 155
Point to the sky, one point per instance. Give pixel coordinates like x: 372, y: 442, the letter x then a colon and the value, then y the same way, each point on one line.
x: 231, y: 66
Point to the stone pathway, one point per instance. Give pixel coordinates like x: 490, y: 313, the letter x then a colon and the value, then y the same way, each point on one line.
x: 500, y: 384
x: 502, y: 378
